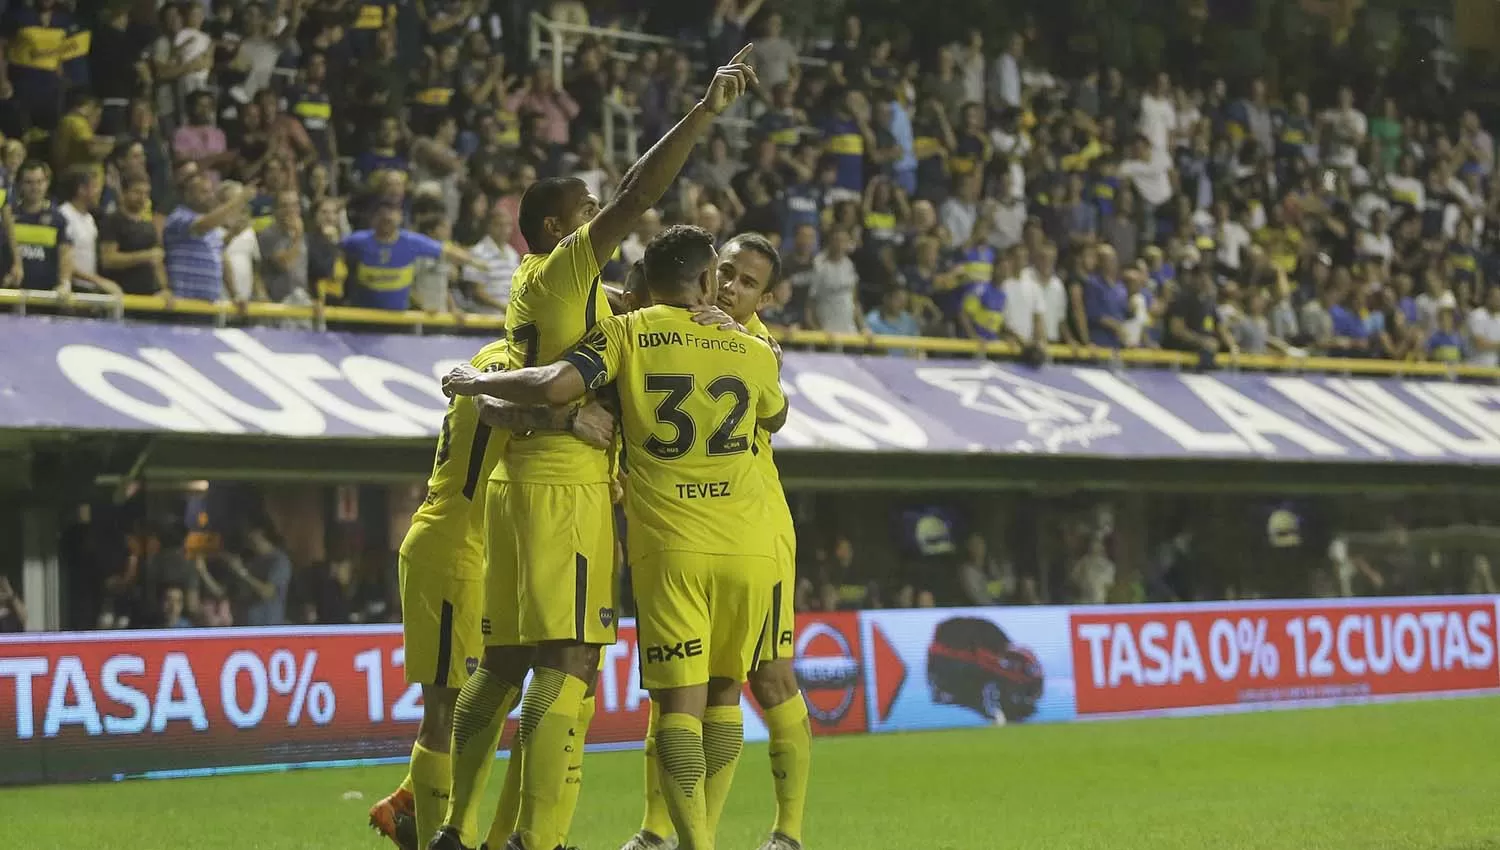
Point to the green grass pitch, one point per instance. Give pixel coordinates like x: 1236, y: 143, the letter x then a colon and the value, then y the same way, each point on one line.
x: 1406, y: 775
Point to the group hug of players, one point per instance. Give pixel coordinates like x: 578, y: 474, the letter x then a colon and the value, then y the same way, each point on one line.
x: 514, y: 547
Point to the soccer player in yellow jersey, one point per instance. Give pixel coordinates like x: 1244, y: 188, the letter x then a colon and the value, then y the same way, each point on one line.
x: 692, y: 398
x: 550, y: 577
x: 442, y: 591
x: 749, y: 267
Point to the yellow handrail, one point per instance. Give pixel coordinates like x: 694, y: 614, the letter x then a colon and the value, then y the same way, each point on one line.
x: 23, y: 300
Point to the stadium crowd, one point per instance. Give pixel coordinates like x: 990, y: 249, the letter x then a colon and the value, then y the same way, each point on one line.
x: 373, y: 154
x: 242, y: 554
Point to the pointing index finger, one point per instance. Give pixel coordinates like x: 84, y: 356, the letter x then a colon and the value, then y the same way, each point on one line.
x: 744, y: 51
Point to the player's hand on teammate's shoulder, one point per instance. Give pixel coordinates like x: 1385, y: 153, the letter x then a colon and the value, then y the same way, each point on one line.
x: 714, y: 317
x: 593, y: 424
x: 730, y: 81
x: 462, y: 379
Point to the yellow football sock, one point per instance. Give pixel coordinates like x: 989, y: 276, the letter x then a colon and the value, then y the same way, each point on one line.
x: 658, y: 821
x: 432, y: 774
x: 406, y: 784
x: 478, y: 720
x: 574, y: 781
x: 549, y: 720
x: 508, y: 808
x: 791, y: 756
x: 684, y: 767
x: 723, y: 739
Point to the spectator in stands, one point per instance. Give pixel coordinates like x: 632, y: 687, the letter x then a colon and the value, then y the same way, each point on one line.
x: 1192, y: 320
x: 41, y: 233
x: 775, y: 55
x: 194, y: 238
x: 894, y: 316
x: 12, y: 608
x: 1444, y: 344
x: 242, y: 263
x: 983, y: 580
x: 266, y: 574
x: 832, y: 293
x: 495, y: 263
x: 839, y: 585
x: 552, y: 105
x: 200, y: 140
x: 1099, y: 299
x: 1093, y: 575
x: 283, y: 252
x: 79, y: 189
x: 1482, y: 329
x: 173, y: 613
x: 381, y: 260
x: 76, y: 141
x: 130, y: 251
x: 983, y: 314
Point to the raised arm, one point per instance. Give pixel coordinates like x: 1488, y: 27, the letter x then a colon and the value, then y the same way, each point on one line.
x: 648, y: 180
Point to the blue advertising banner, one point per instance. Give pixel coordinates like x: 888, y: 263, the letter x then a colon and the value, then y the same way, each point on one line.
x: 82, y: 375
x: 944, y: 668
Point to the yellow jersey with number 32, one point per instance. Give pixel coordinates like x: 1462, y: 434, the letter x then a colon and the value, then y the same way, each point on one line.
x: 453, y: 511
x: 689, y: 397
x: 555, y: 299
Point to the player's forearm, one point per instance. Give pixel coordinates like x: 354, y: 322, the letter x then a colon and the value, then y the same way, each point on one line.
x: 508, y: 416
x: 648, y: 180
x: 556, y: 383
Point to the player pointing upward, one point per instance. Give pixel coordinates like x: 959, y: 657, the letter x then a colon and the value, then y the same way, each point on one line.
x: 550, y: 577
x: 692, y: 398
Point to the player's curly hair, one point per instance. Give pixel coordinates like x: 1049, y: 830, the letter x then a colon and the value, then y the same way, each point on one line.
x: 677, y: 256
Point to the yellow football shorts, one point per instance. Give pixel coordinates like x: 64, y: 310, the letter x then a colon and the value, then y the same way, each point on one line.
x: 783, y: 600
x: 551, y: 564
x: 442, y: 602
x: 702, y: 616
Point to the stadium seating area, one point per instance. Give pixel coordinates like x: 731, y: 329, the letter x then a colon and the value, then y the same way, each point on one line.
x: 972, y: 194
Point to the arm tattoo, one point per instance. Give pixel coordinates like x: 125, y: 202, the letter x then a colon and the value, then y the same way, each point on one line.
x: 509, y: 416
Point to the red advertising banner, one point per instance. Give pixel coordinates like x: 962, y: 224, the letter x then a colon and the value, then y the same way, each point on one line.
x: 101, y: 704
x: 1144, y: 658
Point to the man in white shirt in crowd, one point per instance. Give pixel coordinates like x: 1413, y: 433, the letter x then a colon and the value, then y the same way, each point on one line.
x: 1023, y: 305
x: 1231, y: 237
x: 1158, y: 115
x: 1482, y: 329
x: 972, y: 65
x: 1005, y: 83
x: 242, y: 281
x: 833, y: 295
x: 1041, y: 282
x: 1347, y: 128
x: 1150, y: 171
x: 78, y: 187
x: 495, y: 263
x: 960, y: 211
x: 1007, y: 216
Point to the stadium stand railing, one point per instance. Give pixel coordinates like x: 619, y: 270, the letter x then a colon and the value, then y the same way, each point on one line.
x: 555, y: 42
x: 223, y: 313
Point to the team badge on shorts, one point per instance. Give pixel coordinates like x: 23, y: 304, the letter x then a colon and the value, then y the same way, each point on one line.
x: 471, y: 664
x: 606, y: 616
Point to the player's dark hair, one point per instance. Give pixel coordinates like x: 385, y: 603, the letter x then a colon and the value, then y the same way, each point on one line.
x: 760, y: 245
x: 544, y: 199
x: 676, y: 257
x: 635, y: 284
x: 72, y: 180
